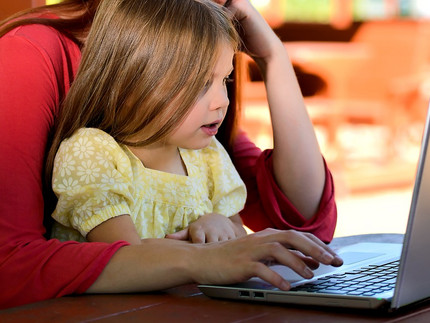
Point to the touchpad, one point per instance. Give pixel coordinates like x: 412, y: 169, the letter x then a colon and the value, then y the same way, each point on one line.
x: 352, y: 257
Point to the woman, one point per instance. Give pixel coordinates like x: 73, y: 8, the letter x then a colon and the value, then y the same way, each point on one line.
x: 287, y: 187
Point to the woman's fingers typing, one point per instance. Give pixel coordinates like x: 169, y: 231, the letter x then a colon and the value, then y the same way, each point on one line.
x: 283, y: 256
x: 306, y: 243
x: 270, y: 276
x: 246, y: 257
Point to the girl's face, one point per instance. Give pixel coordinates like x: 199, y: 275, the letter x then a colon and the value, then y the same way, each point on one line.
x: 202, y: 123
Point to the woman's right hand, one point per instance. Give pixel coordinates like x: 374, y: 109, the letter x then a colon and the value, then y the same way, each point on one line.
x: 164, y: 263
x: 240, y: 259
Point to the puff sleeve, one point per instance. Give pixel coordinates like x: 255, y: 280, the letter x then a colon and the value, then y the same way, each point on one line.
x: 92, y: 179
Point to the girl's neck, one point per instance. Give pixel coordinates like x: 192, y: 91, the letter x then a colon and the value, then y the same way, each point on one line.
x: 162, y: 158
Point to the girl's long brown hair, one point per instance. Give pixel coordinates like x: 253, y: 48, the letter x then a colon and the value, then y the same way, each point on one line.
x: 139, y: 76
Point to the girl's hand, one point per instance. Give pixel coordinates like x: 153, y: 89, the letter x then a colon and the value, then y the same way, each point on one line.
x: 211, y: 227
x: 258, y: 37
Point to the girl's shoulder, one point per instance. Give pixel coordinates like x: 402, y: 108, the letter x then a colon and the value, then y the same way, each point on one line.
x: 90, y: 139
x: 93, y: 132
x: 93, y: 135
x: 91, y: 147
x: 91, y: 151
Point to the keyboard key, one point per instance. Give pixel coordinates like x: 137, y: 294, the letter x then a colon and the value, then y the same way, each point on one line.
x: 367, y: 281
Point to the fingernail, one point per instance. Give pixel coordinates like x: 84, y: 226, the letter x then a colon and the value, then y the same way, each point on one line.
x: 338, y: 261
x: 308, y: 273
x: 285, y: 285
x: 327, y: 257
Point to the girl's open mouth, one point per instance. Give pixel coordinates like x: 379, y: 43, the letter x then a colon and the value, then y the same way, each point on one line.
x: 210, y: 129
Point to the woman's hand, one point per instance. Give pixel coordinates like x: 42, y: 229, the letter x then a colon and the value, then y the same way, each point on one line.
x: 211, y: 227
x: 240, y: 259
x: 162, y: 263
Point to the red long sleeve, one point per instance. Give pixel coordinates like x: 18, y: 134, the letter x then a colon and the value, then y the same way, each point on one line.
x: 266, y: 204
x: 37, y: 65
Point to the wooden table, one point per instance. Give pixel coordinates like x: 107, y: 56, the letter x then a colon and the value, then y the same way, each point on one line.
x: 187, y: 304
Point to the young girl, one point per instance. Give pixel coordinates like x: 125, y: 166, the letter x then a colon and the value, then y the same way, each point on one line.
x: 140, y: 159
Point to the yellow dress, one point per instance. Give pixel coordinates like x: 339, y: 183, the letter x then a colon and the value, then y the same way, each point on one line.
x: 96, y: 179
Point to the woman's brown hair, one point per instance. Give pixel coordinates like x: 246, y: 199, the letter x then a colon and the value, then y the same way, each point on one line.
x: 144, y: 64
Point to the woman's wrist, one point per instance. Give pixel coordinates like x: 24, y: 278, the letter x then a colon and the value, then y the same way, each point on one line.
x: 154, y: 265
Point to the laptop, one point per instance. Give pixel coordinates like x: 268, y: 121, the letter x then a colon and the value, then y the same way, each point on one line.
x: 384, y: 276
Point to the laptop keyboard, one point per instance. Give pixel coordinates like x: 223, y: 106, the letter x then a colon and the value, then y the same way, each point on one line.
x: 366, y: 281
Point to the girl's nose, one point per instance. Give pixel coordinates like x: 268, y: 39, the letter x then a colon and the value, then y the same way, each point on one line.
x: 220, y: 100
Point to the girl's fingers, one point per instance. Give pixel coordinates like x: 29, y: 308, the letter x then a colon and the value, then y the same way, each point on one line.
x: 198, y: 236
x: 180, y: 235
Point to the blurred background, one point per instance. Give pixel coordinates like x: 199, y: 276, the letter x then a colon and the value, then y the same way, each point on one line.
x: 363, y: 67
x: 364, y: 70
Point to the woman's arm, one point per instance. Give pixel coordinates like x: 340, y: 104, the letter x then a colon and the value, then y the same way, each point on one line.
x: 36, y: 67
x: 298, y: 166
x: 163, y: 263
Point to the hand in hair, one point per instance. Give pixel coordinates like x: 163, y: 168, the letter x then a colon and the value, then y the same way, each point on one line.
x: 258, y: 37
x: 211, y: 227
